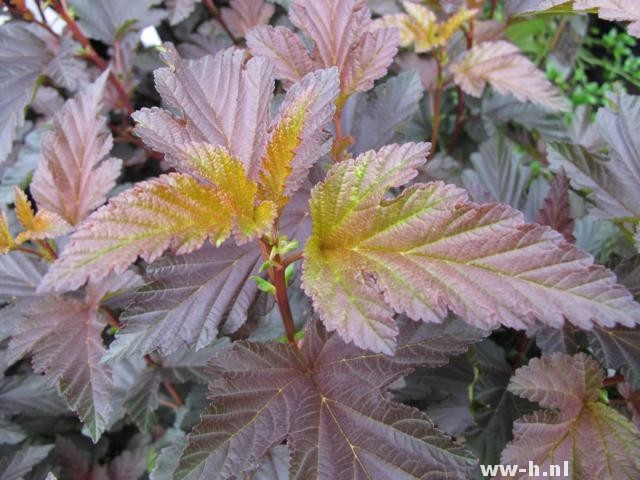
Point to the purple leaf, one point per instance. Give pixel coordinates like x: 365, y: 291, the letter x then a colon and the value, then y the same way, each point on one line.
x: 594, y: 439
x: 74, y: 177
x: 555, y: 211
x: 327, y: 398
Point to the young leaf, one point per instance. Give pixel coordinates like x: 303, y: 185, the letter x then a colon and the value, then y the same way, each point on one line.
x: 38, y: 226
x: 556, y: 212
x: 507, y: 70
x: 237, y: 120
x: 596, y: 440
x: 330, y: 407
x: 6, y: 239
x: 188, y: 297
x: 430, y: 250
x: 74, y: 177
x: 297, y: 138
x: 361, y: 55
x: 242, y: 15
x: 64, y: 336
x: 173, y: 212
x: 419, y: 27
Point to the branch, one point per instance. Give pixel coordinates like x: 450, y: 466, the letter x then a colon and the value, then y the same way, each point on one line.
x: 215, y: 13
x: 277, y: 277
x: 100, y: 62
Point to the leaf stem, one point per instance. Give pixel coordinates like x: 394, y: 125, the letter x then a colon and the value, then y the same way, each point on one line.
x: 292, y: 259
x: 173, y: 392
x: 215, y: 13
x: 100, y: 62
x: 30, y: 251
x: 608, y: 382
x: 437, y: 106
x: 277, y: 277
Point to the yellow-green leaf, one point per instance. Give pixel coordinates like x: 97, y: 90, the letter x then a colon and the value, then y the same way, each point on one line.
x: 174, y: 212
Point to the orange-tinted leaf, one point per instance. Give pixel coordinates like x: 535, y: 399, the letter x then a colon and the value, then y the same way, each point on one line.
x: 173, y: 212
x: 44, y: 224
x: 507, y: 70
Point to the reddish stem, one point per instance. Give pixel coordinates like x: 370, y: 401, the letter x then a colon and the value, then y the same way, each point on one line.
x: 437, y: 105
x: 277, y: 277
x: 457, y: 130
x: 215, y: 13
x: 100, y: 62
x: 608, y: 382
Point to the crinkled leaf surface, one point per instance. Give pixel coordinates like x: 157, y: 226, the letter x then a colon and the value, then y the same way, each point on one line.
x: 597, y: 441
x: 362, y: 55
x: 23, y: 57
x: 327, y: 402
x: 508, y: 71
x: 237, y: 120
x: 64, y: 336
x: 242, y: 15
x: 188, y: 297
x: 374, y: 118
x: 74, y: 176
x: 419, y: 27
x: 105, y: 20
x: 173, y: 212
x: 430, y: 250
x: 40, y: 225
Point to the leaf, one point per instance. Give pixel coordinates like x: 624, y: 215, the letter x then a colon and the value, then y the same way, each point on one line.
x: 362, y: 55
x: 16, y: 465
x: 180, y: 9
x: 237, y: 120
x: 496, y: 408
x: 330, y: 407
x: 188, y: 297
x: 65, y: 69
x: 596, y: 440
x: 44, y: 224
x: 64, y: 336
x: 10, y: 433
x: 23, y: 57
x: 518, y: 7
x: 243, y: 15
x: 74, y: 178
x: 419, y: 27
x: 610, y: 185
x: 6, y: 239
x: 31, y: 396
x: 614, y: 10
x: 105, y: 21
x: 618, y: 348
x: 430, y: 250
x: 504, y: 67
x: 499, y: 174
x: 373, y: 118
x: 556, y: 212
x: 297, y: 138
x: 26, y: 158
x: 173, y: 212
x: 284, y: 49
